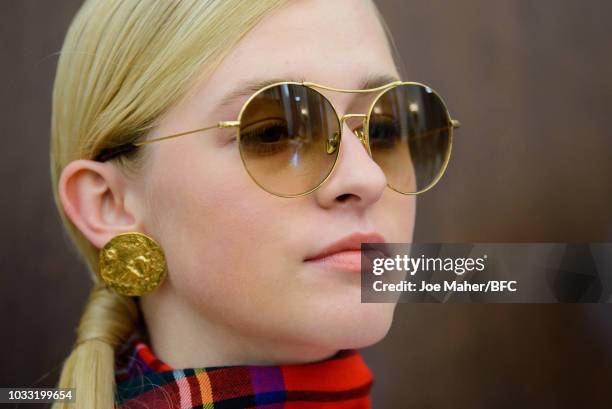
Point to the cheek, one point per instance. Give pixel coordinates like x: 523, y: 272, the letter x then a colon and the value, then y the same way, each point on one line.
x: 215, y: 227
x: 395, y: 214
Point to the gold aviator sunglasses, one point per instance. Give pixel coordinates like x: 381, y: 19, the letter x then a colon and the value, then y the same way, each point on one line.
x: 289, y: 136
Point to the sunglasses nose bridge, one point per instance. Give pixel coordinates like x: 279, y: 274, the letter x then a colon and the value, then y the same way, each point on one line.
x: 358, y: 131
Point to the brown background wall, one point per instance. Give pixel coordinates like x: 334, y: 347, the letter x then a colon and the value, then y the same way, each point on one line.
x: 530, y: 82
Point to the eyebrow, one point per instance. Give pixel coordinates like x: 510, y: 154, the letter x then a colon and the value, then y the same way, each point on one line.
x: 250, y: 87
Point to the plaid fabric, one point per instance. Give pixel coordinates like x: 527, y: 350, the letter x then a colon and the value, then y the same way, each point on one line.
x: 143, y: 381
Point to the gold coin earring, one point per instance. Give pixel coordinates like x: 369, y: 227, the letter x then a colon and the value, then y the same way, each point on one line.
x: 132, y: 264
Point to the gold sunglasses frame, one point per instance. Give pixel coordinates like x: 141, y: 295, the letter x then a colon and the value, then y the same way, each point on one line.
x: 362, y: 135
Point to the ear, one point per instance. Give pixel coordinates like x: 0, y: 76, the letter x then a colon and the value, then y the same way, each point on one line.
x: 95, y: 196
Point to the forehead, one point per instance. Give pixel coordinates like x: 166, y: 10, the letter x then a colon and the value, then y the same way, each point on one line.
x: 337, y: 43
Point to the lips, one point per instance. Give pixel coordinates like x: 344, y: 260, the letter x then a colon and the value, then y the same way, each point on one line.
x: 345, y: 253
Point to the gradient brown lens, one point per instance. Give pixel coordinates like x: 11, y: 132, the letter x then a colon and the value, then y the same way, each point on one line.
x: 285, y: 131
x: 409, y: 133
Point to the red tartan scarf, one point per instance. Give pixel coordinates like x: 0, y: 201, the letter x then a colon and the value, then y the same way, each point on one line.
x: 143, y: 381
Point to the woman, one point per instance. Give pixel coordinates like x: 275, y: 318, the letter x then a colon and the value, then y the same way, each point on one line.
x: 239, y: 215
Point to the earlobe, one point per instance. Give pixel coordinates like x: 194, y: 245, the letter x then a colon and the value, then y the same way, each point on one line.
x: 92, y: 195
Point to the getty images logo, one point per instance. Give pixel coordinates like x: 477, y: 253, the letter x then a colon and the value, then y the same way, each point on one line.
x: 412, y: 265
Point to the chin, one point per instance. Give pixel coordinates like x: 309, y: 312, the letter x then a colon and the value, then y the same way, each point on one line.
x: 357, y: 327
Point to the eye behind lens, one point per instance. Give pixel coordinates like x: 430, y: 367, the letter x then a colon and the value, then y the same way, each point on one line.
x: 385, y: 132
x: 266, y: 137
x: 284, y: 141
x: 409, y: 129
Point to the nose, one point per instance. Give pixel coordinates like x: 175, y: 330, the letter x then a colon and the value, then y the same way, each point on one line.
x: 356, y: 180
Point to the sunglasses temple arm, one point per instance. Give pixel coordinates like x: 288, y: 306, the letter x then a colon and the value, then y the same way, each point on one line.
x: 109, y: 153
x: 222, y: 124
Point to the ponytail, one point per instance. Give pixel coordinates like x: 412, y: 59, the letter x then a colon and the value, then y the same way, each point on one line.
x: 107, y: 321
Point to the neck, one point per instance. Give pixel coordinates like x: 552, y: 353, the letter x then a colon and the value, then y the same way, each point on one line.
x: 184, y: 338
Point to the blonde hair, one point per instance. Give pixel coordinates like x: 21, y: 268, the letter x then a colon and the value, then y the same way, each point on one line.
x: 123, y: 63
